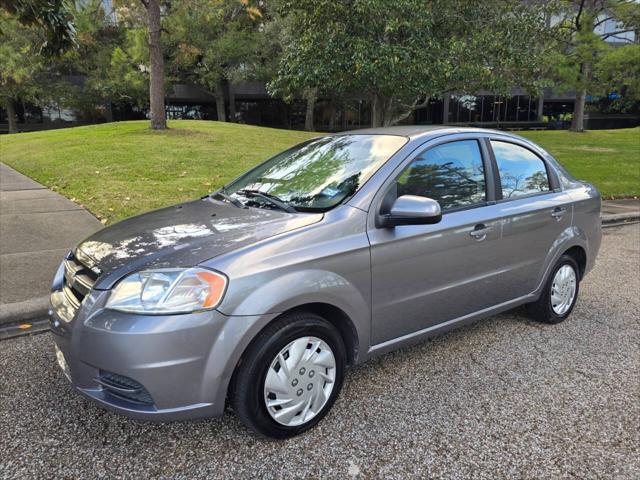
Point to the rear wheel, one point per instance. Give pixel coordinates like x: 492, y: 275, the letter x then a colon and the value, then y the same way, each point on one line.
x: 290, y: 376
x: 559, y: 294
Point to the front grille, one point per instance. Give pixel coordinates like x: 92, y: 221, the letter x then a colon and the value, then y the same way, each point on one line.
x: 124, y: 388
x: 78, y: 280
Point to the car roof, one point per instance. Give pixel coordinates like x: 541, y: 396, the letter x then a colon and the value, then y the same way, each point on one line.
x: 403, y: 130
x: 415, y: 131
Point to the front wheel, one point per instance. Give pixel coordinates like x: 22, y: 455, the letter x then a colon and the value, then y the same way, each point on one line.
x: 559, y: 294
x: 290, y: 376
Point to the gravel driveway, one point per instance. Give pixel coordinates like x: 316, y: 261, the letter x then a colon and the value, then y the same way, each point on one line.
x: 505, y: 397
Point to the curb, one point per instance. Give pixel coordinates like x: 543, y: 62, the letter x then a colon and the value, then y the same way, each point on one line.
x: 34, y: 308
x: 33, y: 327
x: 619, y: 218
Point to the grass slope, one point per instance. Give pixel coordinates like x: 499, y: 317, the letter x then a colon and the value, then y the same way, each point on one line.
x: 610, y: 159
x: 120, y: 169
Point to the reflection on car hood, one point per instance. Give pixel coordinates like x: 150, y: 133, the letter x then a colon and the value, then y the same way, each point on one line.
x: 181, y: 236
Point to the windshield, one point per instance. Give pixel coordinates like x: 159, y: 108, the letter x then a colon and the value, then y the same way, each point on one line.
x: 316, y: 175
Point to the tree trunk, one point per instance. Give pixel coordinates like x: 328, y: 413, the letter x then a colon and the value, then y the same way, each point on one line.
x: 577, y: 122
x: 445, y: 109
x: 108, y: 112
x: 11, y: 115
x: 387, y: 113
x: 156, y: 82
x: 311, y: 97
x: 540, y: 111
x: 343, y: 118
x: 376, y: 110
x: 232, y: 103
x: 220, y: 110
x: 332, y: 117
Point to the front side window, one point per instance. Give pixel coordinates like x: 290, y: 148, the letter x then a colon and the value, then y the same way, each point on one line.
x: 452, y: 174
x: 316, y: 175
x: 522, y: 172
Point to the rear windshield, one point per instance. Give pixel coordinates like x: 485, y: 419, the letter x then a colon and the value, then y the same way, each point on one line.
x: 319, y: 174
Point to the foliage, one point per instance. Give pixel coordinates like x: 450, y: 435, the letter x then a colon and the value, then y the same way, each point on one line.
x: 619, y: 71
x: 400, y: 58
x: 214, y: 41
x: 21, y: 68
x: 108, y: 59
x: 397, y: 53
x: 52, y: 18
x: 129, y: 79
x: 585, y: 62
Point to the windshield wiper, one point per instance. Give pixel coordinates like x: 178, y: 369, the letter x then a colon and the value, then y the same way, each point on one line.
x: 228, y: 198
x: 281, y: 204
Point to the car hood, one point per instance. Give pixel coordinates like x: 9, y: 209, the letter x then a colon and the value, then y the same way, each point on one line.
x: 183, y: 235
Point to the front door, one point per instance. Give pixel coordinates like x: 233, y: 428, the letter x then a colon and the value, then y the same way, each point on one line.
x: 423, y: 275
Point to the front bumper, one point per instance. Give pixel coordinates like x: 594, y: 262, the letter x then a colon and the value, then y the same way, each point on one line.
x: 184, y: 362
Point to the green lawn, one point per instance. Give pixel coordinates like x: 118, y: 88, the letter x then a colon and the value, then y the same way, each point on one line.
x: 120, y: 169
x: 610, y: 159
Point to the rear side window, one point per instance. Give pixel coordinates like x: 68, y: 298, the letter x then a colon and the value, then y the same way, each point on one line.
x: 452, y: 174
x: 522, y: 172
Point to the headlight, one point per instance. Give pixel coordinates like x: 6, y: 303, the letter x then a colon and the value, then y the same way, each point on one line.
x: 171, y: 290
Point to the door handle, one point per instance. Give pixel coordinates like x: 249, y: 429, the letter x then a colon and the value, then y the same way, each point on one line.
x: 480, y: 232
x: 558, y: 213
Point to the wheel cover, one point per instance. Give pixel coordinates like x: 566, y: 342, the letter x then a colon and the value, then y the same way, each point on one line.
x: 563, y: 289
x: 299, y: 381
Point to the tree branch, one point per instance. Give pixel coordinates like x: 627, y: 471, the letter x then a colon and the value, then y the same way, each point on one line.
x: 622, y: 39
x: 597, y: 24
x: 410, y: 109
x: 613, y: 34
x: 579, y: 14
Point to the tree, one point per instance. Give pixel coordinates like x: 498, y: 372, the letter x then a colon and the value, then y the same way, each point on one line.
x: 216, y: 43
x: 127, y: 78
x: 402, y: 52
x: 53, y: 18
x: 21, y: 67
x: 586, y: 62
x: 156, y: 70
x: 107, y: 68
x: 618, y: 72
x: 280, y: 31
x: 30, y: 32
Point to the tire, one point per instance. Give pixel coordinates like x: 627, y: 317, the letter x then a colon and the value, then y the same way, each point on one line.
x: 250, y: 391
x: 549, y: 310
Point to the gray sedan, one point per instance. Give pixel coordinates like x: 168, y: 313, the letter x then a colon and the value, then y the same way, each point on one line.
x: 345, y: 247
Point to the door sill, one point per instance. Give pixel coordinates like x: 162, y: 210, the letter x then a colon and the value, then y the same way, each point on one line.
x: 414, y: 337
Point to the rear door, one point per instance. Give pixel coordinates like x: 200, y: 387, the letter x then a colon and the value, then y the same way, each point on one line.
x: 423, y: 275
x: 534, y: 212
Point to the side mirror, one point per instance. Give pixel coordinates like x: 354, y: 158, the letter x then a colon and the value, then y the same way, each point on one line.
x: 412, y: 210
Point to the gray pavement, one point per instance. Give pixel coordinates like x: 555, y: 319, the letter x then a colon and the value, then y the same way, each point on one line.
x: 37, y: 227
x: 503, y: 398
